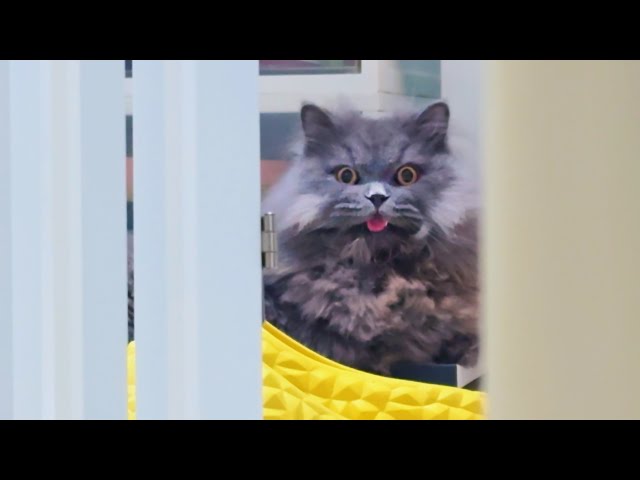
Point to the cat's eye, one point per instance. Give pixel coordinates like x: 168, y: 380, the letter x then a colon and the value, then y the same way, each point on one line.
x: 347, y: 175
x: 406, y: 175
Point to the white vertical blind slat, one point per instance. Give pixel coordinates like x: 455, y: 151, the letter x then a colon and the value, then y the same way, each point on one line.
x: 104, y: 266
x: 62, y: 239
x: 6, y: 328
x: 197, y: 239
x: 27, y: 124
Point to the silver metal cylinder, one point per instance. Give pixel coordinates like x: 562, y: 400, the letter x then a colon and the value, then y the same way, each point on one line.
x: 269, y: 241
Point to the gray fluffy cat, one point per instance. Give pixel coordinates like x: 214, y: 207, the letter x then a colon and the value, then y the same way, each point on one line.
x: 378, y: 242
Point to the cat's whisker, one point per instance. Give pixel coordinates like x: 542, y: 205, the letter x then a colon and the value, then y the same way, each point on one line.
x: 348, y: 206
x: 442, y: 244
x: 412, y: 216
x: 405, y: 208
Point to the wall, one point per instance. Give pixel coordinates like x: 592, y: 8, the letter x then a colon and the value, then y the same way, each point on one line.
x: 562, y: 231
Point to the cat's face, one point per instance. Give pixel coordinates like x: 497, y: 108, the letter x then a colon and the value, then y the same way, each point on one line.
x: 387, y: 177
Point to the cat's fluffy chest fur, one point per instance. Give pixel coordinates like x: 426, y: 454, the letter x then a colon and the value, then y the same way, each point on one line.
x: 382, y: 308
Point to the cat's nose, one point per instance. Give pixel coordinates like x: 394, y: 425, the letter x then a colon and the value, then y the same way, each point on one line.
x: 377, y: 199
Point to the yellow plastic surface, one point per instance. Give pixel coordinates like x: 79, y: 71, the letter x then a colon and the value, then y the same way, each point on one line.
x: 299, y: 384
x: 131, y: 380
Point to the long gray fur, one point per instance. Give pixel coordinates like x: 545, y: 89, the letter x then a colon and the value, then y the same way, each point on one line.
x: 365, y: 299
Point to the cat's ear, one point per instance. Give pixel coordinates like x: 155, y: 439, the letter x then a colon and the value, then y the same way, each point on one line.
x: 316, y: 123
x: 433, y: 123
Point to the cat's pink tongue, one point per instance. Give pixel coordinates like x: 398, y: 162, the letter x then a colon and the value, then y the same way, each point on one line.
x: 376, y: 223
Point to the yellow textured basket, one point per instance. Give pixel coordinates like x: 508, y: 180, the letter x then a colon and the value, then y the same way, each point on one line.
x: 299, y: 384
